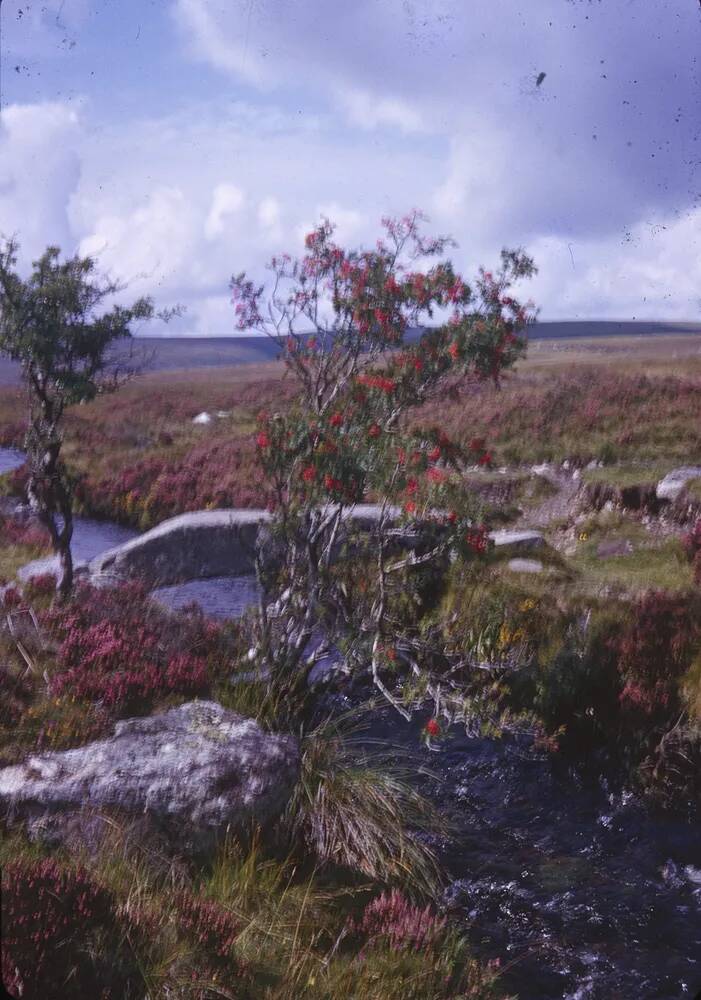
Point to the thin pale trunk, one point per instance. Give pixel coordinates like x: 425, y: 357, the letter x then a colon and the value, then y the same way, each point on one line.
x: 65, y: 554
x: 50, y: 495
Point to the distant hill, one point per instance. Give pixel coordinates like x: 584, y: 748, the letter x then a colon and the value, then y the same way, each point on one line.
x: 564, y: 329
x: 173, y: 353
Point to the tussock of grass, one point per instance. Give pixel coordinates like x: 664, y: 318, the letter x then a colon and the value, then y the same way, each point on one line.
x: 354, y: 808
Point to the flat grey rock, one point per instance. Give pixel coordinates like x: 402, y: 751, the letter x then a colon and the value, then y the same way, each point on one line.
x: 525, y: 566
x: 614, y: 547
x: 506, y: 539
x: 193, y: 546
x: 200, y: 545
x: 674, y: 482
x: 197, y: 771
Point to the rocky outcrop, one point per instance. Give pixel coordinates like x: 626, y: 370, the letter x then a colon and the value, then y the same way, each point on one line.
x: 641, y: 496
x: 194, y: 772
x: 673, y: 484
x: 212, y: 543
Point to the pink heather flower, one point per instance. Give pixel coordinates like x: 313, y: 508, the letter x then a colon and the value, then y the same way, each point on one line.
x: 263, y: 441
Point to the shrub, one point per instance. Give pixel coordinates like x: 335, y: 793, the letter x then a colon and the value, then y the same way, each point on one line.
x: 15, y: 695
x: 12, y: 598
x: 18, y: 479
x: 655, y: 650
x: 118, y: 648
x: 219, y: 473
x: 390, y: 920
x: 41, y: 585
x: 692, y: 540
x: 345, y: 439
x: 576, y: 680
x: 58, y: 927
x: 20, y: 531
x: 213, y: 928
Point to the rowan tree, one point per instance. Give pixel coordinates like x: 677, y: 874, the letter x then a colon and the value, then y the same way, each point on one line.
x: 69, y: 352
x: 342, y: 318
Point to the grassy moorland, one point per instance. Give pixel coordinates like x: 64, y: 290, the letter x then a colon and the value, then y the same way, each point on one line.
x: 627, y: 402
x: 597, y: 653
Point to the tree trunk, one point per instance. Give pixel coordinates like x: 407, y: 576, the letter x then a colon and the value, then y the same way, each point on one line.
x: 65, y: 536
x: 51, y: 498
x: 65, y: 582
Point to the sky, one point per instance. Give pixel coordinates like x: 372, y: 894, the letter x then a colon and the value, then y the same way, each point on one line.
x: 182, y: 141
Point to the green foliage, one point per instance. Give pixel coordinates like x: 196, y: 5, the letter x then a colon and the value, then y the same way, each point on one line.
x: 576, y: 690
x: 50, y: 323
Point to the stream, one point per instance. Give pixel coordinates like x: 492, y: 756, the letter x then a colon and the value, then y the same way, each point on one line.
x: 581, y: 890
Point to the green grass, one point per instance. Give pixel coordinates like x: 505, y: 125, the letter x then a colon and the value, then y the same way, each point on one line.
x: 13, y: 557
x: 660, y: 566
x: 694, y: 490
x: 628, y: 475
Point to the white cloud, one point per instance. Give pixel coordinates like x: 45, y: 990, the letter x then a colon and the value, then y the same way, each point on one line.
x: 607, y: 137
x: 371, y: 111
x: 149, y: 199
x: 653, y: 272
x: 149, y: 248
x: 224, y: 50
x: 269, y: 213
x: 227, y: 200
x: 39, y: 170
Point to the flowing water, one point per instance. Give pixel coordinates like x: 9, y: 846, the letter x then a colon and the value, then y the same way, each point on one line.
x: 580, y: 889
x: 219, y: 597
x: 10, y: 458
